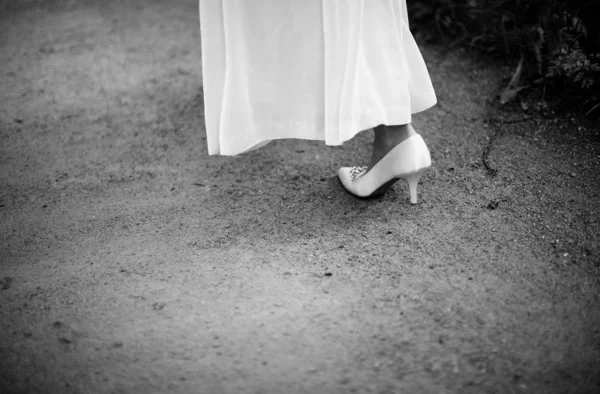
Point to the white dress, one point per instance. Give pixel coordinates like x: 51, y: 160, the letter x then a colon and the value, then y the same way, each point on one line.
x: 308, y: 69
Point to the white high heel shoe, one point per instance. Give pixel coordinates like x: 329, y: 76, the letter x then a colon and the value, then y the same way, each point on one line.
x: 408, y: 160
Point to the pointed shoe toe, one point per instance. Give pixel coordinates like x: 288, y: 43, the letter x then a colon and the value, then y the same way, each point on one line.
x: 348, y: 175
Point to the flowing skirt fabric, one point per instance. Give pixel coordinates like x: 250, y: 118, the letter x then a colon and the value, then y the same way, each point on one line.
x: 307, y: 69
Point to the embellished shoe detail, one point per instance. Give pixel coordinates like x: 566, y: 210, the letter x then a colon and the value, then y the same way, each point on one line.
x: 355, y: 172
x: 407, y: 160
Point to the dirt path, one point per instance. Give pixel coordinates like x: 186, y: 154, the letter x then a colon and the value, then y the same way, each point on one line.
x: 131, y: 262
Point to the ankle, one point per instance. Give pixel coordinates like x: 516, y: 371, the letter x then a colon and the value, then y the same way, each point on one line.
x: 390, y: 136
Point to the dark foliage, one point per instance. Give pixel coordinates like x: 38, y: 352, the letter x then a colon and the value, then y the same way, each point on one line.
x: 555, y: 43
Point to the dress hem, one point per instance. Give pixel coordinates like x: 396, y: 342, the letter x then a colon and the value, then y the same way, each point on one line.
x: 362, y: 126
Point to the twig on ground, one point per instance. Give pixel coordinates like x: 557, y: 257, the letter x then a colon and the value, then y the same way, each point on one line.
x: 495, y: 124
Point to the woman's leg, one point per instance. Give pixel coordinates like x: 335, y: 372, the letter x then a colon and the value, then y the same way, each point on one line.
x: 386, y: 138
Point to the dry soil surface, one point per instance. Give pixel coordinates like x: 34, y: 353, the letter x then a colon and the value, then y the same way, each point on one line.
x: 132, y: 262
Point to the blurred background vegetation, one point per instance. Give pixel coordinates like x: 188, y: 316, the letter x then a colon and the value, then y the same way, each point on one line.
x: 552, y: 46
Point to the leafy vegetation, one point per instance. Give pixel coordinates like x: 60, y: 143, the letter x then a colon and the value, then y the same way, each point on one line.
x: 553, y: 45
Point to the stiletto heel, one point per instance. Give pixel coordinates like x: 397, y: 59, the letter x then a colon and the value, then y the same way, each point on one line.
x: 413, y: 181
